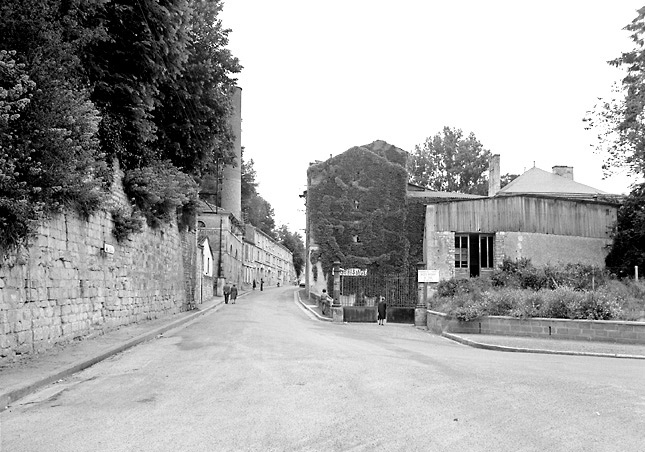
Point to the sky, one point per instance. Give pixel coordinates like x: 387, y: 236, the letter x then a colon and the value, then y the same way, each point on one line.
x: 322, y: 77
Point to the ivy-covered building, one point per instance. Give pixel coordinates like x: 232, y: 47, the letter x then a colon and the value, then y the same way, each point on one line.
x: 356, y: 213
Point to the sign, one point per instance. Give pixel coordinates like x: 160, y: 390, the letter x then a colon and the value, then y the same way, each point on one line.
x: 353, y: 272
x: 431, y: 276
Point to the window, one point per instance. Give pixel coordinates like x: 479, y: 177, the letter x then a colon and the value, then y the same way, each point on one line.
x: 461, y: 251
x: 486, y: 251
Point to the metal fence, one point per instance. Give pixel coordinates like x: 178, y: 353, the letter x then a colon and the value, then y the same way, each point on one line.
x: 398, y: 290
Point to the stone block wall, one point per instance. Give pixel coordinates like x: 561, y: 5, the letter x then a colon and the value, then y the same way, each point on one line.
x: 587, y: 330
x: 74, y: 280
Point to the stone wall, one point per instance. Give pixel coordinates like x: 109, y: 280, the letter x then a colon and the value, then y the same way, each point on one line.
x: 589, y: 330
x: 75, y: 280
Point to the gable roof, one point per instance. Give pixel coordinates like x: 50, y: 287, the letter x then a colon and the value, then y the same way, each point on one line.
x: 537, y: 181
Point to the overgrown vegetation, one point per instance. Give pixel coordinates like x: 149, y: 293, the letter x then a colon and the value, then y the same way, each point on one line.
x: 519, y: 289
x: 357, y: 210
x: 83, y: 83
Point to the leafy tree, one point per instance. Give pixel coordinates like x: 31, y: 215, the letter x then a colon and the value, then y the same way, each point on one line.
x: 620, y: 124
x: 143, y: 47
x: 449, y: 161
x: 256, y: 210
x: 628, y: 246
x: 619, y: 121
x: 192, y: 118
x: 49, y: 151
x: 293, y: 242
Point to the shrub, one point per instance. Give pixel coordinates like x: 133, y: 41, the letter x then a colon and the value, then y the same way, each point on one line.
x: 160, y: 191
x: 125, y: 224
x: 560, y: 303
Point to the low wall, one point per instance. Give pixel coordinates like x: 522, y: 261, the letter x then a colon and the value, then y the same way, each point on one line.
x: 400, y: 314
x: 591, y: 330
x: 359, y: 314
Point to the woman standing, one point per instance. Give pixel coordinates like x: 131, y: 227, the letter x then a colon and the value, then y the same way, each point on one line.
x: 382, y: 307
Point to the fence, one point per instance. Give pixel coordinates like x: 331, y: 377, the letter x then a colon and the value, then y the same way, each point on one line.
x: 399, y: 290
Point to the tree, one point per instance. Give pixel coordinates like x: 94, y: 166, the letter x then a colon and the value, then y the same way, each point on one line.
x: 256, y: 210
x: 192, y: 118
x: 449, y: 161
x: 620, y: 125
x: 628, y: 245
x: 619, y: 121
x: 48, y: 143
x: 293, y: 242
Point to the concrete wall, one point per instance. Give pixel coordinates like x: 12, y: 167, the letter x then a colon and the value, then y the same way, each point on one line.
x: 549, y: 248
x: 592, y: 330
x: 65, y: 286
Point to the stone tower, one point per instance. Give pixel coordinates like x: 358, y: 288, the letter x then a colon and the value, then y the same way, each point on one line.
x: 232, y: 175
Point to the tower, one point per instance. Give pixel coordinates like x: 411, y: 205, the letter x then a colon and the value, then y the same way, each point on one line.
x: 232, y: 175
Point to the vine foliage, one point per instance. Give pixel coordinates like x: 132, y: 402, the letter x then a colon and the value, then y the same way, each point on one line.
x: 357, y: 209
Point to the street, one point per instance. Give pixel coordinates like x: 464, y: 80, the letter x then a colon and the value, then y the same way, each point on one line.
x: 264, y: 375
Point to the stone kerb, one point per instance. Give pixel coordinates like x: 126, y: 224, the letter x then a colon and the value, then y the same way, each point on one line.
x: 592, y: 330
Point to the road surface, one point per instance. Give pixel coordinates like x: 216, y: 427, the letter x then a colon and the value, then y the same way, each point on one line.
x: 263, y: 375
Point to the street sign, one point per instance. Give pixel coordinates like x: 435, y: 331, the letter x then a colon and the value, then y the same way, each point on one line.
x: 353, y: 272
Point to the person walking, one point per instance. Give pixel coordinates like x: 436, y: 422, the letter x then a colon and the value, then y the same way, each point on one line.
x: 254, y: 285
x: 382, y: 307
x: 227, y: 292
x: 261, y: 284
x: 233, y: 294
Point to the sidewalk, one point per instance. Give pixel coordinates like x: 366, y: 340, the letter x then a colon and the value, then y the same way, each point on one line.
x: 32, y: 372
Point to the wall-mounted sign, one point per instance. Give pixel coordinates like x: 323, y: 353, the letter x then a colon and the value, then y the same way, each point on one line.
x: 353, y: 272
x: 431, y: 276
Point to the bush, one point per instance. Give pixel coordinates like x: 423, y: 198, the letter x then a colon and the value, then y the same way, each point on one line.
x: 160, y: 191
x: 125, y: 224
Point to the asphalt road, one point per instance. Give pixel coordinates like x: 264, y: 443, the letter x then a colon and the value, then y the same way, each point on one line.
x: 262, y: 374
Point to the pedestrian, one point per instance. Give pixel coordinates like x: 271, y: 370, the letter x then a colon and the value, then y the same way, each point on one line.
x: 233, y: 293
x: 382, y: 307
x: 261, y: 284
x: 254, y: 284
x: 227, y: 291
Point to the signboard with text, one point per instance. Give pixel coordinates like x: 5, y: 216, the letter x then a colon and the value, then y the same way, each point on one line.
x: 428, y: 276
x: 353, y: 272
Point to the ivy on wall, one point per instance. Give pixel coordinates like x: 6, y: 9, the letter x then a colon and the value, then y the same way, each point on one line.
x: 357, y: 210
x: 415, y: 226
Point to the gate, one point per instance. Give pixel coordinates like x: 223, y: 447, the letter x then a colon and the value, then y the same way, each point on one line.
x: 359, y: 296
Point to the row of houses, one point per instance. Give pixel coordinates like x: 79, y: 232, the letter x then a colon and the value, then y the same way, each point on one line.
x: 239, y: 253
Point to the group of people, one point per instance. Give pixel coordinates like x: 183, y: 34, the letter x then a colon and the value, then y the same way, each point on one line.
x: 230, y: 293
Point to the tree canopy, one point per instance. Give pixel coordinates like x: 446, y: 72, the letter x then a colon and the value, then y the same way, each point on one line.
x: 619, y: 121
x: 86, y: 81
x: 450, y: 161
x: 620, y: 126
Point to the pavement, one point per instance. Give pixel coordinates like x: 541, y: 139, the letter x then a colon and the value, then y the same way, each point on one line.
x: 32, y: 372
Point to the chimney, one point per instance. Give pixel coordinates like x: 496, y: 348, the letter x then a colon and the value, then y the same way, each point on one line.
x: 232, y: 175
x: 563, y: 171
x: 494, y: 181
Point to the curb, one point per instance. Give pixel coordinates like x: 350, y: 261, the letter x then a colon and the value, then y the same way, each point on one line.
x: 8, y: 398
x: 503, y: 348
x: 306, y: 306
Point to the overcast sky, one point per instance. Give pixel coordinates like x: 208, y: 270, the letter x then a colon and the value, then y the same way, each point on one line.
x: 322, y: 77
